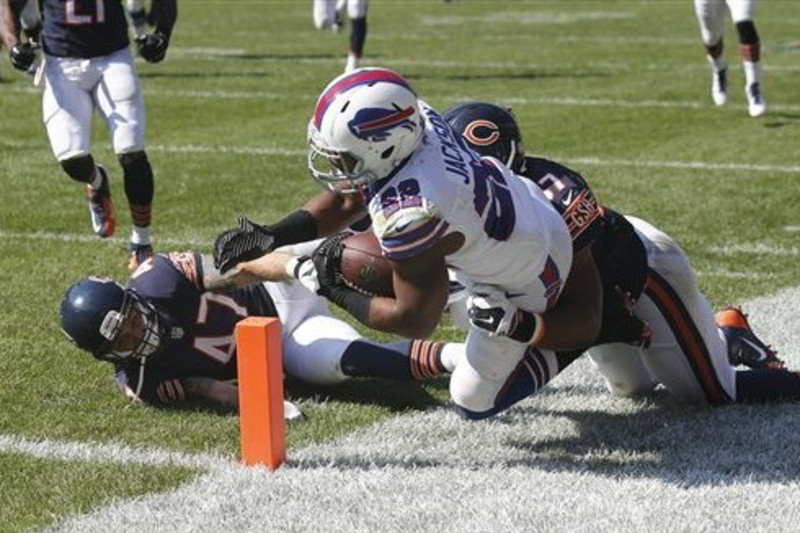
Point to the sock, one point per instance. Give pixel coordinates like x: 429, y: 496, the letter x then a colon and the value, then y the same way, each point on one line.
x: 767, y: 384
x: 142, y: 235
x: 450, y: 355
x: 752, y: 72
x: 717, y: 63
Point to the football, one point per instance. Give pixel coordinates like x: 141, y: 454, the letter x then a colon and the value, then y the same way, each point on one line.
x: 363, y: 266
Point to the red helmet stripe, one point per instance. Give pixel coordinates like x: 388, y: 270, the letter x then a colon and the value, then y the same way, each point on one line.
x: 394, y: 118
x: 361, y: 77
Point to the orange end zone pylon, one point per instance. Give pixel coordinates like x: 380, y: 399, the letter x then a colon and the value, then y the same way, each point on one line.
x: 260, y: 373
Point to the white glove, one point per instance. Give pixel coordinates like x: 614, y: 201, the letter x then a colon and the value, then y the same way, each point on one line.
x: 490, y: 310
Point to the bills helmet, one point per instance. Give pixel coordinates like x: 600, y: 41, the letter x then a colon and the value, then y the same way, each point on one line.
x: 96, y: 313
x: 489, y: 129
x: 365, y: 124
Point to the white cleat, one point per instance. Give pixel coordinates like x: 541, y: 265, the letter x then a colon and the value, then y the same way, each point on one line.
x: 719, y: 86
x: 756, y: 105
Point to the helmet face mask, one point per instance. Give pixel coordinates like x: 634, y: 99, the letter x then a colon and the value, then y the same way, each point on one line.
x: 366, y: 123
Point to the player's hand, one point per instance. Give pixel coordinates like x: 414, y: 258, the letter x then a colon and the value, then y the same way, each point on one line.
x: 247, y: 242
x: 619, y: 322
x: 490, y: 310
x: 153, y: 46
x: 22, y: 56
x: 327, y: 259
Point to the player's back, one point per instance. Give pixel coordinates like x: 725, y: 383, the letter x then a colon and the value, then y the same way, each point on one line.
x: 512, y: 234
x: 83, y: 29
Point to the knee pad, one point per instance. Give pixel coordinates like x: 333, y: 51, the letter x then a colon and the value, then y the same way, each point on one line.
x: 747, y: 32
x: 79, y: 168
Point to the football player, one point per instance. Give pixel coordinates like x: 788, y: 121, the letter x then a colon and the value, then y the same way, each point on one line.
x: 171, y: 338
x: 433, y: 204
x: 690, y: 354
x: 330, y: 14
x: 88, y: 66
x: 711, y: 17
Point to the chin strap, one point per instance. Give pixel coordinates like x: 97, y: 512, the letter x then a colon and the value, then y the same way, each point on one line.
x: 135, y: 398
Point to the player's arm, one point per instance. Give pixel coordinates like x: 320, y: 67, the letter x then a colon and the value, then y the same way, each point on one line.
x: 223, y: 393
x: 274, y: 266
x: 9, y: 25
x: 321, y: 216
x: 574, y: 322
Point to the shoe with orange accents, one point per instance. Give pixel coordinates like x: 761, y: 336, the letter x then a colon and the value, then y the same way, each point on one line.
x: 101, y: 209
x: 744, y: 348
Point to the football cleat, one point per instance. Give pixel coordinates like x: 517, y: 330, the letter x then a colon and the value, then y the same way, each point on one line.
x: 756, y: 105
x: 719, y: 86
x: 139, y: 254
x: 744, y: 348
x: 101, y: 209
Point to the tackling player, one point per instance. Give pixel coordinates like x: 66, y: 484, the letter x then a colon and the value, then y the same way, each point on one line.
x: 690, y: 355
x: 88, y: 66
x: 171, y: 338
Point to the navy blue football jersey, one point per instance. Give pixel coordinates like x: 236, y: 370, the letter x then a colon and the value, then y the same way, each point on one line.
x: 202, y: 325
x: 83, y: 28
x: 620, y: 255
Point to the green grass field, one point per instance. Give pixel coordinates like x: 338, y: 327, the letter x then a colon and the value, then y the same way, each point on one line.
x: 617, y: 90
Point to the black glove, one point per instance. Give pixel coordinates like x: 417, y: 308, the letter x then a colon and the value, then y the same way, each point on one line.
x: 153, y: 46
x: 619, y: 322
x: 245, y: 243
x: 22, y: 56
x: 327, y: 260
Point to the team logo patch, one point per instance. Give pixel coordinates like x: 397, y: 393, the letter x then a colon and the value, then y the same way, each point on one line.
x: 376, y: 123
x: 482, y: 132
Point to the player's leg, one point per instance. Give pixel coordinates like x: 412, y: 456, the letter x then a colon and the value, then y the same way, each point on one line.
x: 688, y: 353
x: 119, y: 99
x: 324, y: 14
x: 711, y: 17
x: 319, y: 348
x: 496, y: 373
x: 67, y: 107
x: 623, y: 369
x: 357, y: 13
x: 742, y: 12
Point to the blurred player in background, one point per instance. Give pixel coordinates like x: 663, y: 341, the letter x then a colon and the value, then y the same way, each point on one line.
x: 171, y: 338
x: 330, y: 14
x: 711, y: 16
x: 88, y: 66
x: 692, y: 352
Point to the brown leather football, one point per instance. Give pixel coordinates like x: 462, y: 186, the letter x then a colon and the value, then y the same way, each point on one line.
x: 363, y: 266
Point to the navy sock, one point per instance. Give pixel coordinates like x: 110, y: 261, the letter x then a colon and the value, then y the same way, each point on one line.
x: 403, y: 360
x: 767, y: 384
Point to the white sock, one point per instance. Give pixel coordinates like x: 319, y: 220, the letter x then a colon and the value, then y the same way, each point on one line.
x: 451, y: 354
x: 752, y: 72
x: 141, y: 235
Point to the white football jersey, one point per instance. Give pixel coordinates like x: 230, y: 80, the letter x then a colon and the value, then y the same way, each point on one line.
x: 514, y: 237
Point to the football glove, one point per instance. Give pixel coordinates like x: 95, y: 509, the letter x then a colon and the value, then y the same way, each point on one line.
x: 247, y: 242
x: 489, y: 309
x: 22, y: 56
x: 327, y: 260
x: 619, y: 322
x: 153, y: 46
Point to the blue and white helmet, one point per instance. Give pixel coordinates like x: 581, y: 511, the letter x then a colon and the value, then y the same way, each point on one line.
x: 94, y: 312
x: 366, y: 123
